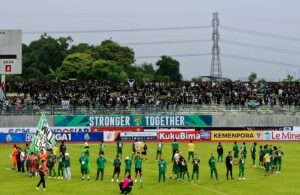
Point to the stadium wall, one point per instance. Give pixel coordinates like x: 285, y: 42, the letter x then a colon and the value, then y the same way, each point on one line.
x: 218, y: 120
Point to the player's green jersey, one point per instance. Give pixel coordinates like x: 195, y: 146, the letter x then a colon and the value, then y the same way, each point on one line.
x: 235, y: 148
x: 253, y: 150
x: 119, y: 146
x: 244, y: 149
x: 84, y: 162
x: 101, y: 162
x: 175, y: 145
x: 159, y: 146
x: 162, y: 164
x: 242, y: 163
x: 138, y: 162
x: 196, y: 163
x: 117, y: 163
x: 212, y: 162
x: 67, y: 161
x: 128, y: 164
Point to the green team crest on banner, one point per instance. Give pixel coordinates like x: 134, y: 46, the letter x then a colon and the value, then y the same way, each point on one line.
x: 43, y: 137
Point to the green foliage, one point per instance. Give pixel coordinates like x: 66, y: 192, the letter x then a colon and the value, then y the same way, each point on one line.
x: 112, y: 51
x: 252, y: 77
x: 42, y: 54
x: 168, y: 68
x: 78, y: 65
x: 50, y: 58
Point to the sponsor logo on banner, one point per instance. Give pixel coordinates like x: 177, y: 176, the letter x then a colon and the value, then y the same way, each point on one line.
x: 281, y: 136
x: 70, y: 129
x: 139, y: 136
x: 100, y: 129
x: 236, y: 135
x: 171, y: 129
x: 183, y: 136
x: 110, y: 136
x: 53, y: 129
x: 269, y: 128
x: 18, y: 130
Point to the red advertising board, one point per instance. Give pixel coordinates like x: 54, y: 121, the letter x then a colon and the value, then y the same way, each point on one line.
x: 121, y: 129
x: 183, y: 135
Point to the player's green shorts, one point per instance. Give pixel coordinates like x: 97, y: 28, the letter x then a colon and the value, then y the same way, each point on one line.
x: 196, y: 170
x: 175, y: 169
x: 267, y: 166
x: 128, y: 171
x: 158, y: 152
x: 253, y: 156
x: 84, y: 170
x: 236, y: 155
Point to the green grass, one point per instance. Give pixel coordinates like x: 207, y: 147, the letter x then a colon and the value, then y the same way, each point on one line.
x: 287, y: 182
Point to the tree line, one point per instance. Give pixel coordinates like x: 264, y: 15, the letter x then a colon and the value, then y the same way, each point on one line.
x: 56, y: 59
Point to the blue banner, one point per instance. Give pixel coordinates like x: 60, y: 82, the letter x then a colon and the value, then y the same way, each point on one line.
x: 70, y: 137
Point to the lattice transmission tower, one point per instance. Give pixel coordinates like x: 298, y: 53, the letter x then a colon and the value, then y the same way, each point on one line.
x: 215, y: 71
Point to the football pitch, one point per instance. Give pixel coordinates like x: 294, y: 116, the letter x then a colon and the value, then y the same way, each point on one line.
x: 286, y: 182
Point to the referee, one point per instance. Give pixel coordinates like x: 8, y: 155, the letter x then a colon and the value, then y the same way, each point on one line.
x: 229, y: 164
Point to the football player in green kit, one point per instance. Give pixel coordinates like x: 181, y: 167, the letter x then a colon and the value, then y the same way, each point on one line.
x: 242, y: 167
x: 212, y: 165
x: 162, y: 168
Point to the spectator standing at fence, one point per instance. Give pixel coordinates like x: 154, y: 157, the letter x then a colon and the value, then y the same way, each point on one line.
x: 101, y: 161
x: 212, y: 165
x: 235, y: 152
x: 220, y: 152
x: 67, y: 166
x: 175, y: 147
x: 253, y: 153
x: 191, y: 147
x: 228, y: 162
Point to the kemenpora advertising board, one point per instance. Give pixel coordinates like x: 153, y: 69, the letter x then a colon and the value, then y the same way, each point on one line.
x: 183, y: 135
x: 236, y: 135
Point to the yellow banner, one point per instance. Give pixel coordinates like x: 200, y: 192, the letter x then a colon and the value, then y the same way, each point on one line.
x: 236, y: 135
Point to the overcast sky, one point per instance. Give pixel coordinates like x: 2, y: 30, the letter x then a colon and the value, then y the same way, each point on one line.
x: 279, y: 17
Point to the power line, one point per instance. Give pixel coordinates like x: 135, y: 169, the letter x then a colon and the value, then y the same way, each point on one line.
x: 269, y: 35
x: 120, y: 30
x: 167, y: 42
x: 175, y: 55
x: 260, y: 60
x: 257, y: 46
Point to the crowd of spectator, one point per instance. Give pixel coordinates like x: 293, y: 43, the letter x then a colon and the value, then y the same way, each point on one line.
x: 95, y: 94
